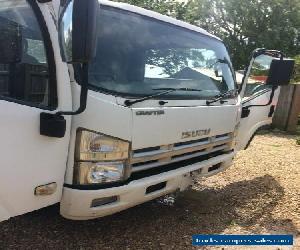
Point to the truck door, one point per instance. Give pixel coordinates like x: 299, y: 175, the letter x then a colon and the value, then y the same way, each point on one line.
x: 257, y: 110
x: 28, y: 87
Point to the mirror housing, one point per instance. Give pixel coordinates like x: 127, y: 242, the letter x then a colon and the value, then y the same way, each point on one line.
x: 10, y: 41
x: 281, y: 71
x: 78, y: 30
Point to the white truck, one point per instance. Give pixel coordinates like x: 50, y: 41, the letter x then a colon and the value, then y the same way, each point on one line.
x: 104, y: 105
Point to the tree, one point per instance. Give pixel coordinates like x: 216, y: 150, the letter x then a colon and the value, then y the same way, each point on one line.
x: 166, y: 7
x: 296, y: 77
x: 246, y: 25
x: 243, y: 25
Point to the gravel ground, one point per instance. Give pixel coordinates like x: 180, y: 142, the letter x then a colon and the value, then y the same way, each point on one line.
x: 260, y: 194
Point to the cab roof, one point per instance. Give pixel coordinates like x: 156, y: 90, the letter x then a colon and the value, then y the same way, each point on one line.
x: 155, y: 15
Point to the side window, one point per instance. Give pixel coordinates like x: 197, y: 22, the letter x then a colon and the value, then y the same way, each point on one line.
x: 29, y: 78
x: 258, y: 75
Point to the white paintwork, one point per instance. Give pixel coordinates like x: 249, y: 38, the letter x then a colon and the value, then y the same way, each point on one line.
x: 76, y: 204
x: 149, y: 131
x: 257, y: 118
x: 27, y: 158
x: 103, y: 115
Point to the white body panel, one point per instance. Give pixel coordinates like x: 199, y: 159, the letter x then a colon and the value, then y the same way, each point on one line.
x: 150, y: 131
x: 258, y: 117
x: 76, y: 204
x: 28, y: 159
x: 101, y: 115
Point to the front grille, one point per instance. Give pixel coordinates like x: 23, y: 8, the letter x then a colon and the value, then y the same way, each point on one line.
x: 154, y: 157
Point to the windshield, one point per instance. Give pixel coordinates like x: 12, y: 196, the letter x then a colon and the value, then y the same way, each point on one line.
x: 138, y: 54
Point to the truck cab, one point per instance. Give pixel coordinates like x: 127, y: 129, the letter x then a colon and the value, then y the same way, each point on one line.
x: 106, y: 105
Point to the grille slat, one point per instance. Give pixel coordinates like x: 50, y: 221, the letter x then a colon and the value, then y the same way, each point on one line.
x: 144, y: 159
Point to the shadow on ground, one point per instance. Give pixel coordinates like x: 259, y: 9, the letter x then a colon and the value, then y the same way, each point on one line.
x: 273, y: 132
x: 153, y: 225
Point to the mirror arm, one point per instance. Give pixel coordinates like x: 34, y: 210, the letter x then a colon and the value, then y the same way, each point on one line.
x: 269, y: 102
x: 83, y: 93
x: 273, y: 53
x: 256, y: 53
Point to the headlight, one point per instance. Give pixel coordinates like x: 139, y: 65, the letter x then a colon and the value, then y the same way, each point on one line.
x: 100, y: 159
x: 91, y: 146
x: 95, y: 173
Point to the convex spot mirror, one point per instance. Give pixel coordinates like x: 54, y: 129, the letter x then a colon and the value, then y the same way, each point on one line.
x: 78, y: 30
x: 281, y: 71
x: 10, y: 41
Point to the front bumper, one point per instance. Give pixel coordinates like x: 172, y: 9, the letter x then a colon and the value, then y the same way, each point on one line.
x: 76, y: 204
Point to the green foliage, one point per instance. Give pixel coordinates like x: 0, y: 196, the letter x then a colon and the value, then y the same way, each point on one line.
x: 246, y: 25
x: 166, y: 7
x: 298, y: 141
x: 174, y: 60
x: 243, y: 25
x: 296, y: 77
x: 258, y: 70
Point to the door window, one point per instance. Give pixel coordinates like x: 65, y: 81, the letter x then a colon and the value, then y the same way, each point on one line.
x: 30, y: 79
x: 258, y: 75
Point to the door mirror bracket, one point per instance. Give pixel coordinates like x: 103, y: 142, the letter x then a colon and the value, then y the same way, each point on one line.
x: 268, y: 103
x: 52, y: 125
x: 77, y: 17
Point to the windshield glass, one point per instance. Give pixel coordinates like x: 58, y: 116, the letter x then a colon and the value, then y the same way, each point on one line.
x: 138, y: 54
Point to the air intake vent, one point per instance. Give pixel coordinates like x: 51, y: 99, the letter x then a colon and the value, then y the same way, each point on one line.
x: 154, y: 157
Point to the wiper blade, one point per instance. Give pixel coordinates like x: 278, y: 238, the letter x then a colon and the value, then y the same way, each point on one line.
x: 178, y: 89
x: 222, y: 61
x: 221, y: 96
x: 163, y: 92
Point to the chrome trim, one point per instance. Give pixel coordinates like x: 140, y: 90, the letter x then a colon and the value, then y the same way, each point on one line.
x: 171, y: 153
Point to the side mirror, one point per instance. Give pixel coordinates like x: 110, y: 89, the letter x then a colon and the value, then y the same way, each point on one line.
x: 78, y: 30
x: 281, y: 71
x: 266, y: 68
x: 10, y: 41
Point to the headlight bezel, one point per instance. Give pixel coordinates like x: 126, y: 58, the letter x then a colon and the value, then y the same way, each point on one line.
x: 116, y: 151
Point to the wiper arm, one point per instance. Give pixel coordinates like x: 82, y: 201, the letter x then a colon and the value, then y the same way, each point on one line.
x: 224, y: 61
x: 163, y: 92
x: 221, y: 96
x: 178, y: 89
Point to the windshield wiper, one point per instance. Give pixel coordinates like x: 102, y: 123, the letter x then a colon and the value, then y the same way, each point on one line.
x: 163, y: 92
x: 221, y: 96
x: 222, y: 61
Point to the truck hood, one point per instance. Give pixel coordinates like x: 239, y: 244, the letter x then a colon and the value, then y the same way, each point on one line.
x: 163, y: 126
x: 149, y: 126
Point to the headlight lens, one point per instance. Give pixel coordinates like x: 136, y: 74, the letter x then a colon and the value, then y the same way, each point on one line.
x: 100, y: 158
x: 103, y: 172
x: 98, y: 147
